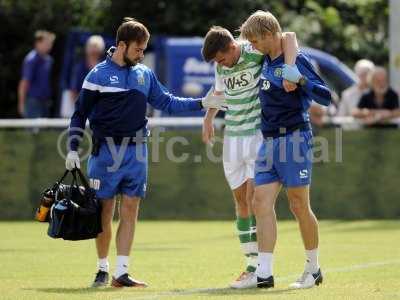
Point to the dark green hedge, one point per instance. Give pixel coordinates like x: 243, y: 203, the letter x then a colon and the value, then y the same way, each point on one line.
x: 365, y: 185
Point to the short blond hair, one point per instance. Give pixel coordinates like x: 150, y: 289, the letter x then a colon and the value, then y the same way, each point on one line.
x: 41, y: 35
x: 258, y: 24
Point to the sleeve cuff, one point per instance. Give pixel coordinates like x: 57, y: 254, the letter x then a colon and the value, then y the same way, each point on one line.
x: 73, y: 146
x: 200, y: 103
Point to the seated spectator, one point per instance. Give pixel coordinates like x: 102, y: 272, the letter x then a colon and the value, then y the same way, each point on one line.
x: 94, y: 51
x: 34, y: 89
x: 380, y: 104
x: 351, y: 96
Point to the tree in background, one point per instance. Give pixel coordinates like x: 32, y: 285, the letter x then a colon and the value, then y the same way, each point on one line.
x: 348, y: 29
x: 20, y: 19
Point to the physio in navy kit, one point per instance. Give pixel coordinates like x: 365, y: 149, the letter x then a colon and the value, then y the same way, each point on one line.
x: 285, y: 158
x: 113, y: 98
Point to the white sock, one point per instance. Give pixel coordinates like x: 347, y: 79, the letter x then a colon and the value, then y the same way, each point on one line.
x: 250, y: 250
x: 264, y: 268
x: 252, y: 260
x: 121, y: 266
x: 103, y: 264
x: 312, y: 264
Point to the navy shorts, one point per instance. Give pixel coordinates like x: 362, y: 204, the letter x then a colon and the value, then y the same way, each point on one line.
x: 286, y: 159
x: 120, y: 172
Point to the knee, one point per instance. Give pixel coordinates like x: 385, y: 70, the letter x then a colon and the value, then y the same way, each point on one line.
x: 262, y: 206
x: 299, y: 207
x: 107, y: 212
x: 129, y: 209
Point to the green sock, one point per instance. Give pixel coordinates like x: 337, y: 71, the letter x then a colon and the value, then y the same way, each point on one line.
x: 248, y: 246
x: 254, y: 246
x: 253, y: 229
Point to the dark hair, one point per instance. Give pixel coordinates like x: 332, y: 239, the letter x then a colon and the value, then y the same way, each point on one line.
x: 217, y: 39
x: 132, y: 31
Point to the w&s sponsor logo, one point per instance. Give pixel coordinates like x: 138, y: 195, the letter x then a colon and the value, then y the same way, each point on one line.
x: 238, y: 82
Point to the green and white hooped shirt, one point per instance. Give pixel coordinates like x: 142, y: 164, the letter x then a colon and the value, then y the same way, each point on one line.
x: 240, y: 85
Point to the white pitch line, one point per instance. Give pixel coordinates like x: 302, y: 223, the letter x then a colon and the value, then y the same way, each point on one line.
x: 279, y: 279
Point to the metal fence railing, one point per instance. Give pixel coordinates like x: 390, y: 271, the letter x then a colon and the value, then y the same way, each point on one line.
x: 345, y: 122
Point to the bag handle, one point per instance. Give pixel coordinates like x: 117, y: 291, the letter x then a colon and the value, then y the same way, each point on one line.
x: 58, y: 182
x: 64, y: 175
x: 82, y: 178
x: 74, y: 182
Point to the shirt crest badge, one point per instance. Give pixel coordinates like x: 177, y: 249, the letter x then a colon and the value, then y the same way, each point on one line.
x: 140, y: 78
x: 278, y: 72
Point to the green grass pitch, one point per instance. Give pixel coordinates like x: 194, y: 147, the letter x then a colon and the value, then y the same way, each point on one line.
x: 197, y: 260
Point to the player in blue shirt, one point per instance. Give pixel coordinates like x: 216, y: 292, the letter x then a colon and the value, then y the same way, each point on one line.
x: 114, y: 96
x: 285, y: 158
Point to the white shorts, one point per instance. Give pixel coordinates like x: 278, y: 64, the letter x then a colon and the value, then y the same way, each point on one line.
x: 239, y: 157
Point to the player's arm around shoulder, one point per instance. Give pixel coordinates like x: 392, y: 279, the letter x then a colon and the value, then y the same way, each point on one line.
x: 306, y: 77
x: 290, y: 49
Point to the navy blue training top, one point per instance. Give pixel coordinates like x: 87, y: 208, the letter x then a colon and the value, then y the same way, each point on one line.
x: 280, y: 109
x: 114, y: 99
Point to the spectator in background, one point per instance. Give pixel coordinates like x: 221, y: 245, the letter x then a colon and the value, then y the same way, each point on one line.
x: 352, y: 95
x: 34, y: 89
x: 317, y: 113
x: 380, y: 104
x: 94, y: 52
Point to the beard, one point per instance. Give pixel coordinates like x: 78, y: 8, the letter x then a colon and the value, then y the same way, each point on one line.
x: 130, y: 63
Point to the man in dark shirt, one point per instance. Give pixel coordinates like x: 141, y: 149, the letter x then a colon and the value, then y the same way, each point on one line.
x: 34, y: 89
x: 94, y: 52
x: 378, y: 105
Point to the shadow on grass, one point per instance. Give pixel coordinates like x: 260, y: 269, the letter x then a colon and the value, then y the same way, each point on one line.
x: 76, y: 290
x: 166, y: 294
x: 156, y: 249
x: 228, y: 291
